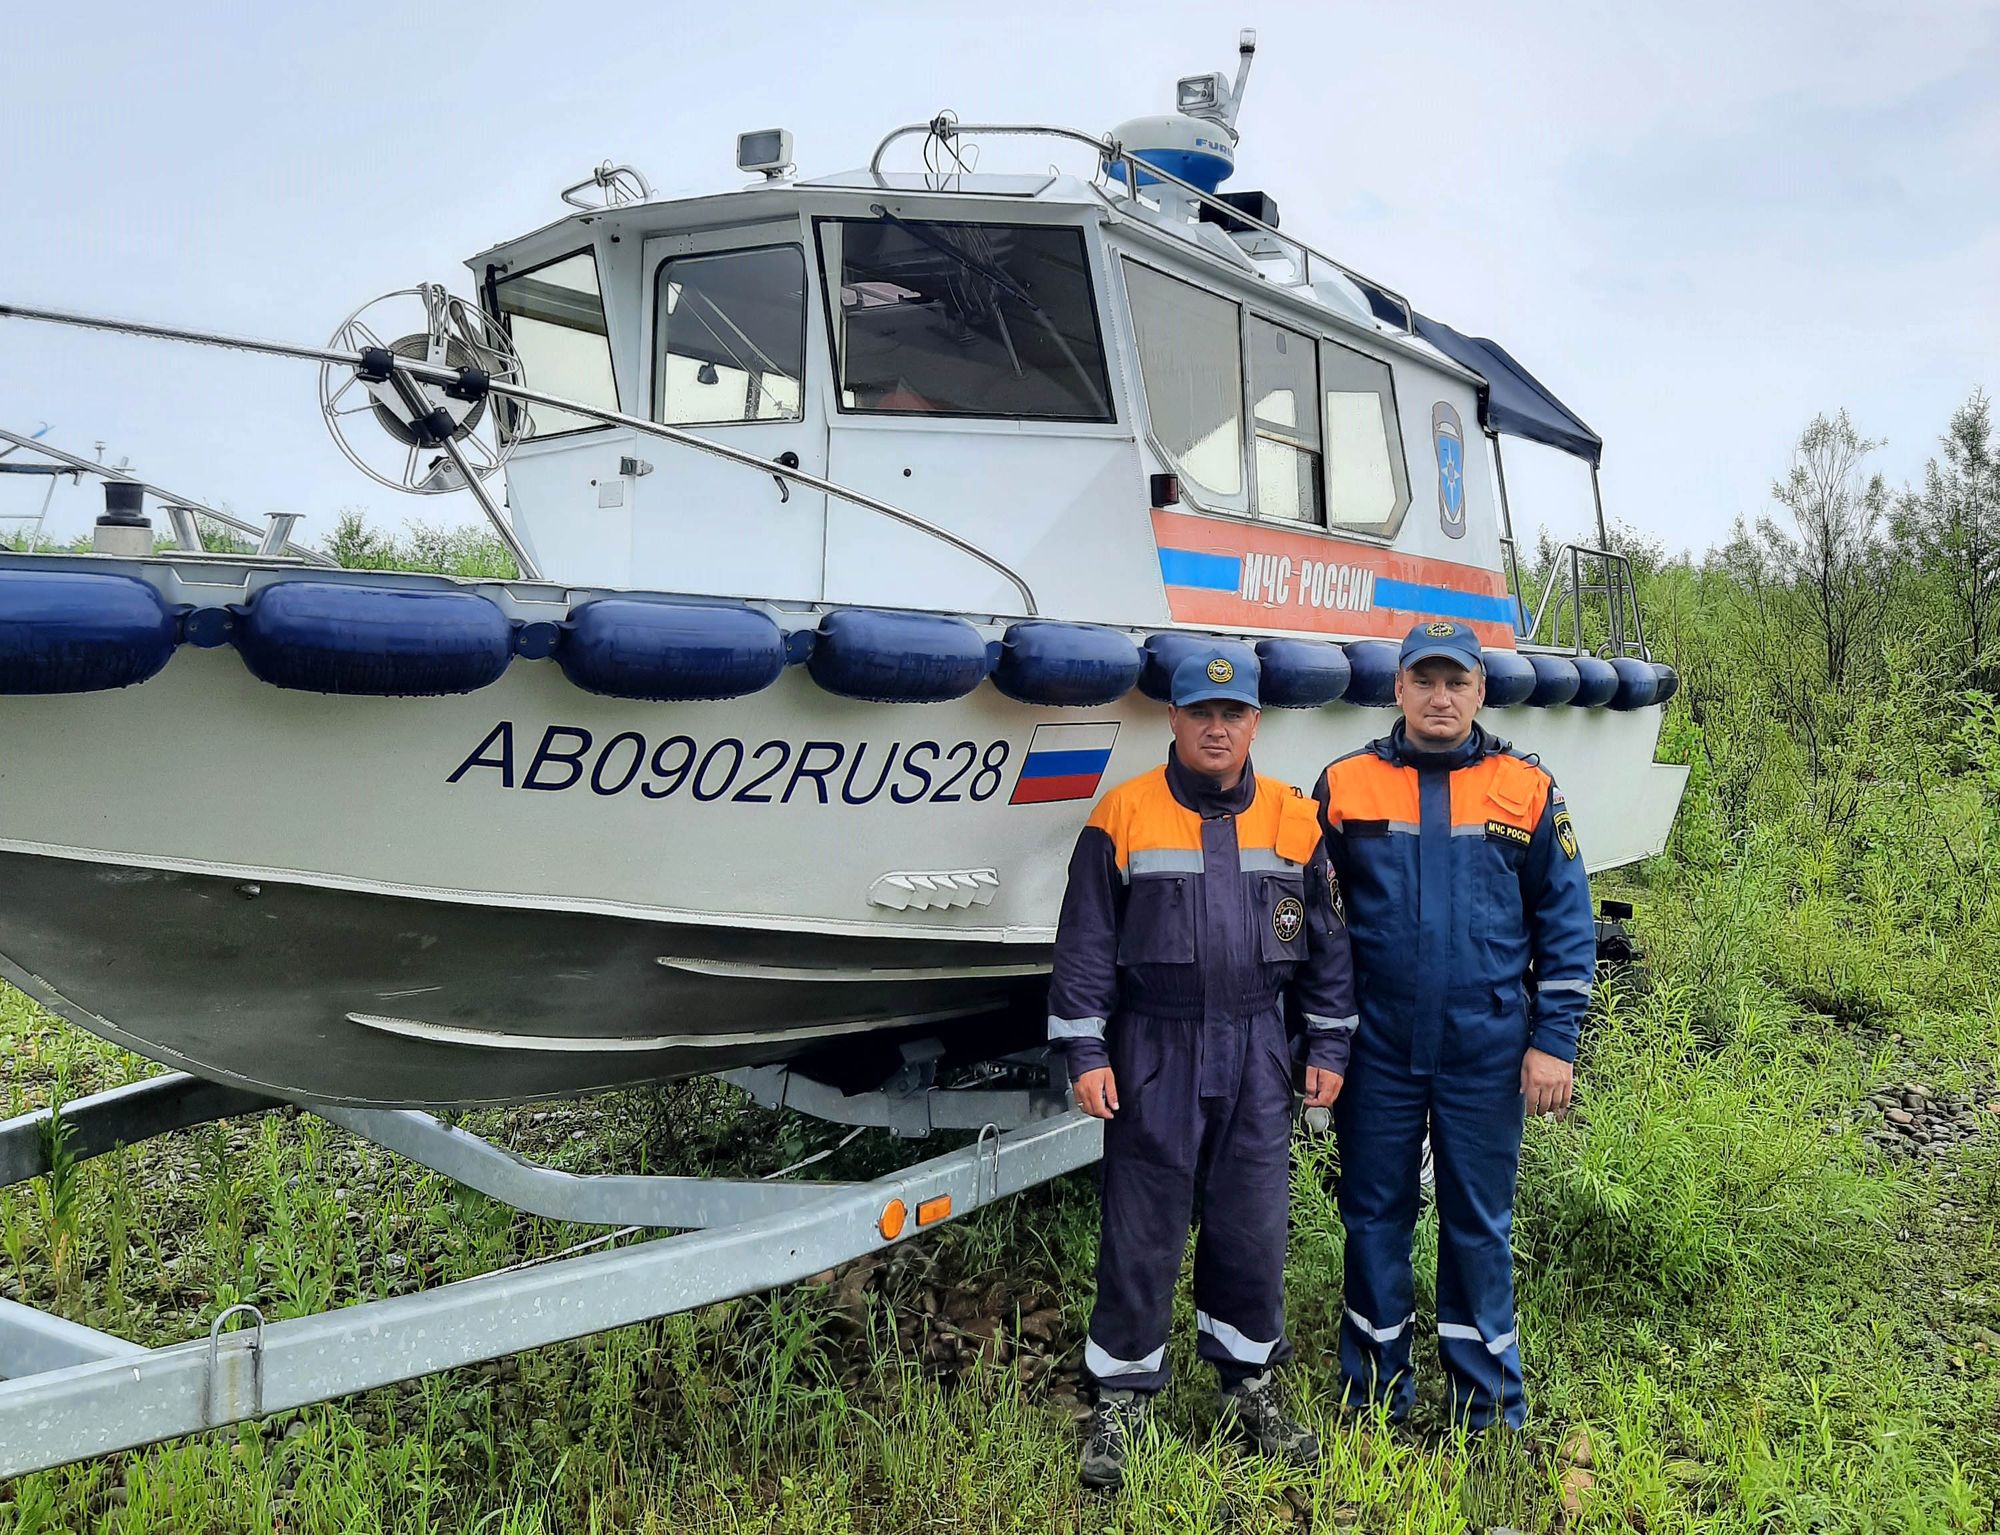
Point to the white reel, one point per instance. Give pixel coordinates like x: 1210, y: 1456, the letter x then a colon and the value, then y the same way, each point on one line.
x: 409, y: 454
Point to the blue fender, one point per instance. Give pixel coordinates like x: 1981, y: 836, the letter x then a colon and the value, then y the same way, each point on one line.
x: 1510, y: 680
x: 1556, y: 681
x: 383, y: 641
x: 1067, y: 665
x: 1302, y: 674
x: 1596, y: 683
x: 896, y: 658
x: 1374, y: 666
x: 76, y: 632
x: 669, y: 652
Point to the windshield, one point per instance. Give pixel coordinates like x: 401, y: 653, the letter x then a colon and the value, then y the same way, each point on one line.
x: 964, y: 319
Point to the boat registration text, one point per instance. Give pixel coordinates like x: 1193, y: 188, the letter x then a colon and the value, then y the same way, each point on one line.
x: 569, y: 757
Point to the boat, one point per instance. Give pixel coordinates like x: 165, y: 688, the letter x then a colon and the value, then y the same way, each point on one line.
x: 860, y: 522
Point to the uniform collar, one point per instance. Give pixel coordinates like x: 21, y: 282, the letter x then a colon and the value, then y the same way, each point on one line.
x: 1198, y: 792
x: 1396, y: 747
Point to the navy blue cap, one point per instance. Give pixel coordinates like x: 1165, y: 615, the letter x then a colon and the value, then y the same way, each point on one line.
x: 1209, y: 674
x: 1441, y: 637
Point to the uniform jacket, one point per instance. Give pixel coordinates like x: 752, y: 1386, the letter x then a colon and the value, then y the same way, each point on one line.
x: 1190, y: 902
x: 1465, y: 891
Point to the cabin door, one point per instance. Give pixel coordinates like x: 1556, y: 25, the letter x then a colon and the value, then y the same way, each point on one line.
x: 726, y: 317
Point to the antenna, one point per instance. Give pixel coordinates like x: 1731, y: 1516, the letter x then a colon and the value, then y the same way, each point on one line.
x: 1246, y: 50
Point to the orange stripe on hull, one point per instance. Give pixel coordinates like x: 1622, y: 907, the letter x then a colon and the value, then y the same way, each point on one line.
x: 1230, y: 574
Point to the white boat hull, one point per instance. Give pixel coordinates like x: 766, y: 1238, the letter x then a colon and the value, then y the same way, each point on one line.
x: 677, y: 895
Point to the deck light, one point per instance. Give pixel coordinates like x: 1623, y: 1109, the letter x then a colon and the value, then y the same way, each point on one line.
x: 1198, y: 95
x: 1165, y: 489
x: 768, y: 150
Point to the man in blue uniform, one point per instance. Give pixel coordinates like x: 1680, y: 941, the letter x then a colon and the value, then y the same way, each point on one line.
x: 1198, y: 901
x: 1474, y: 951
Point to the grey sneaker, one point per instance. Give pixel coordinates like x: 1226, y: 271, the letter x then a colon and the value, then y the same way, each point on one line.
x: 1254, y: 1409
x: 1117, y: 1417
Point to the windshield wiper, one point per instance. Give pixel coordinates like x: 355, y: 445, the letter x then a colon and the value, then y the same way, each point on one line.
x: 1008, y: 286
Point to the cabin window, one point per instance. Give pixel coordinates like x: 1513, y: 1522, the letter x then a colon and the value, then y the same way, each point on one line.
x: 1367, y: 486
x: 954, y: 319
x: 1284, y: 407
x: 730, y: 337
x: 555, y: 313
x: 1190, y: 357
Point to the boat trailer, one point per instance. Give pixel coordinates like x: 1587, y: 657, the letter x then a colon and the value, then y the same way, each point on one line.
x: 69, y: 1392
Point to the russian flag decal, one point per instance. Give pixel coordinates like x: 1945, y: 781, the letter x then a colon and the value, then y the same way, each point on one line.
x: 1064, y: 762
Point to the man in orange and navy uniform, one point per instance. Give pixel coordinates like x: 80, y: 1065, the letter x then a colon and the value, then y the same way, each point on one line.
x: 1198, y: 904
x: 1474, y: 951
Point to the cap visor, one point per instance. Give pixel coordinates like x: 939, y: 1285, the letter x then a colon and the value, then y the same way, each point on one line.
x: 1209, y: 695
x: 1436, y: 653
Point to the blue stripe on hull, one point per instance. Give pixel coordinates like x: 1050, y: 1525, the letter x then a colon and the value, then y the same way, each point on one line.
x: 1208, y: 572
x: 1445, y: 601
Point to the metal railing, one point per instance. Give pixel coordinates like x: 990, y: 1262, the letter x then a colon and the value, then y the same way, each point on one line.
x: 1109, y: 149
x: 1572, y: 587
x: 181, y: 511
x: 407, y: 372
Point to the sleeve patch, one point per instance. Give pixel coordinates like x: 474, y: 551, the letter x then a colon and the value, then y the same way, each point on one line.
x: 1566, y: 833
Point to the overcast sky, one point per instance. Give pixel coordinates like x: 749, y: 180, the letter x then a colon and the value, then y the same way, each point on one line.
x: 1699, y: 223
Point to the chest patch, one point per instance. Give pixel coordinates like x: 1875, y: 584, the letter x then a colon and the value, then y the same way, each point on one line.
x: 1509, y: 833
x: 1288, y: 918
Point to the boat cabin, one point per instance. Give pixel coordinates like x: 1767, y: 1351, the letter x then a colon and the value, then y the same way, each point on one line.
x: 1149, y: 414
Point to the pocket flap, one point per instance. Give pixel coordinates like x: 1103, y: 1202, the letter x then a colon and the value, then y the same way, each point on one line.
x: 1514, y: 798
x: 1298, y: 829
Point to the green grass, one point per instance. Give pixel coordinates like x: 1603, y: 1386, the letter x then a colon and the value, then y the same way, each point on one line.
x: 1758, y: 1328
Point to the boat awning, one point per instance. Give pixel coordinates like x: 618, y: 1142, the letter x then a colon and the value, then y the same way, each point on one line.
x: 1514, y: 402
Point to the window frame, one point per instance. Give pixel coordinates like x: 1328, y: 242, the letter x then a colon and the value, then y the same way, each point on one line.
x: 831, y: 282
x: 1314, y: 328
x: 1254, y: 427
x: 497, y: 280
x: 1399, y: 461
x: 657, y: 393
x: 1240, y: 503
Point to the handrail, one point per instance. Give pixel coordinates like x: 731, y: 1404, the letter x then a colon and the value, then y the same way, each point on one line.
x: 74, y: 465
x: 1110, y: 149
x: 434, y: 373
x: 1617, y: 586
x: 620, y: 184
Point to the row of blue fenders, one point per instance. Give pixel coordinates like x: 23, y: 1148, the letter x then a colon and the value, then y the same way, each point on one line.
x: 68, y: 631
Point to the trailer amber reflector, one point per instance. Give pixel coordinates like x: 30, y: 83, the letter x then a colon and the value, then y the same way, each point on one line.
x: 933, y: 1210
x: 894, y: 1213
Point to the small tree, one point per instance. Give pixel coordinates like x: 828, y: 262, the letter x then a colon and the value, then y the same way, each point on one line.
x: 1952, y: 526
x: 1811, y: 597
x: 1837, y: 560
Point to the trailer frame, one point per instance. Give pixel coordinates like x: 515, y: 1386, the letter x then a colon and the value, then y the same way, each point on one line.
x: 70, y: 1392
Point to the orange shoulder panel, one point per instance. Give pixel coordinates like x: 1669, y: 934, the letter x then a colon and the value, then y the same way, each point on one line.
x: 1282, y: 818
x: 1499, y: 788
x: 1141, y: 815
x: 1366, y: 788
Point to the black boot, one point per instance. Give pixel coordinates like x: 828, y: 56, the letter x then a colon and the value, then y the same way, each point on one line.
x: 1254, y: 1409
x: 1108, y: 1436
